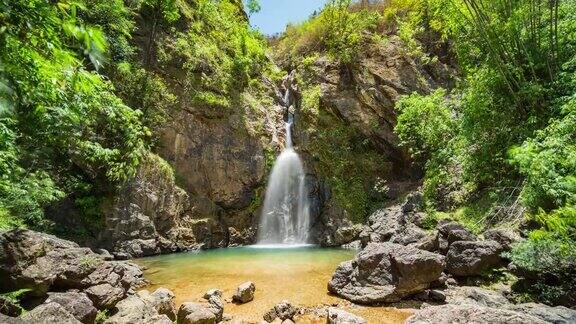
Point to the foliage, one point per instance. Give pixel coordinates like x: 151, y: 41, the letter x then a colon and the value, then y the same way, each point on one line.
x: 549, y: 163
x: 66, y: 128
x: 336, y: 30
x: 218, y: 53
x: 425, y: 123
x: 548, y: 259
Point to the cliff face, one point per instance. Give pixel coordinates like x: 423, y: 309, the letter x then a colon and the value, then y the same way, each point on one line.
x: 221, y: 150
x: 345, y: 127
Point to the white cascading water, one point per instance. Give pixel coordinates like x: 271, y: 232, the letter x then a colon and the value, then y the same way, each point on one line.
x: 285, y: 217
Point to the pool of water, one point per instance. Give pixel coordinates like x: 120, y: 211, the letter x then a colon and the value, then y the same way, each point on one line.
x: 299, y: 275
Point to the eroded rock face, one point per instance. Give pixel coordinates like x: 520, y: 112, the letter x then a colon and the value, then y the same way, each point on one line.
x: 470, y: 314
x: 386, y: 272
x: 470, y: 258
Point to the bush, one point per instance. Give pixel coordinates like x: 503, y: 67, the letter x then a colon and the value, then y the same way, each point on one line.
x: 549, y: 163
x: 547, y: 260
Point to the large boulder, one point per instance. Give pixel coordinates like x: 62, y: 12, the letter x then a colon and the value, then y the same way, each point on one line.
x: 215, y: 303
x: 338, y: 316
x: 50, y: 313
x: 163, y: 300
x: 136, y: 309
x: 470, y: 314
x: 194, y: 313
x: 244, y: 293
x: 386, y: 272
x: 76, y: 303
x: 470, y: 258
x: 557, y: 315
x: 105, y: 296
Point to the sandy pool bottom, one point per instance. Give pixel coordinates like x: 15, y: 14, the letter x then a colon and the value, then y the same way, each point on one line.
x: 299, y: 275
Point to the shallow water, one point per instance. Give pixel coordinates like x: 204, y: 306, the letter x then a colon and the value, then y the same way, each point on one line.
x: 299, y: 275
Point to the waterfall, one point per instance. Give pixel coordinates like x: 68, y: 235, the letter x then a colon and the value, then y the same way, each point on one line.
x: 285, y: 217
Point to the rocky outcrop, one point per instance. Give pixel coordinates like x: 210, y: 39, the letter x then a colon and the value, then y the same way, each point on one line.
x: 386, y: 272
x: 43, y: 263
x: 338, y: 316
x: 505, y: 237
x: 194, y: 313
x: 470, y: 314
x: 69, y: 282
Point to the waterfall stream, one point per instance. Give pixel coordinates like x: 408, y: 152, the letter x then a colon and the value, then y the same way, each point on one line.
x: 285, y: 217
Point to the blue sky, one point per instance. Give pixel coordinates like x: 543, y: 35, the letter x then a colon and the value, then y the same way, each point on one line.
x: 276, y: 14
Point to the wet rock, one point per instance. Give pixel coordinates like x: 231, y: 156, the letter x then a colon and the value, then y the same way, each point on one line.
x: 50, y: 313
x: 194, y: 313
x: 557, y: 315
x: 505, y: 237
x: 76, y: 303
x: 470, y: 258
x: 244, y: 292
x: 386, y: 272
x: 470, y: 314
x: 281, y: 311
x: 338, y: 316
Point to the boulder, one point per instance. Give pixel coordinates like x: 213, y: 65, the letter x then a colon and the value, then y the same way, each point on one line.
x: 213, y: 293
x: 244, y: 292
x: 453, y: 232
x: 105, y: 296
x: 164, y: 302
x: 557, y: 315
x: 338, y: 316
x: 386, y: 272
x: 215, y: 303
x: 136, y: 309
x: 505, y: 237
x: 76, y: 303
x: 49, y: 313
x: 470, y: 314
x: 470, y: 258
x: 194, y: 313
x: 282, y: 311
